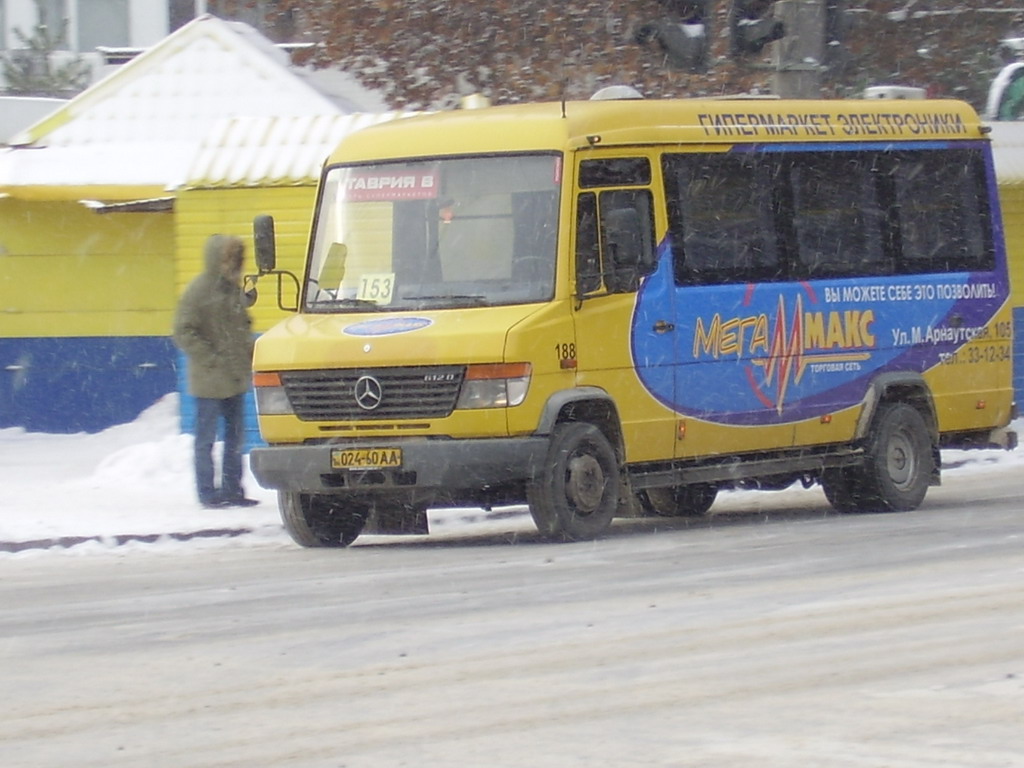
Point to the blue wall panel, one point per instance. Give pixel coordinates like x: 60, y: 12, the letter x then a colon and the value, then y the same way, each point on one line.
x: 82, y: 384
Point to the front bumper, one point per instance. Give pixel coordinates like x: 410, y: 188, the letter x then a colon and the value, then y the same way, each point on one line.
x: 432, y: 467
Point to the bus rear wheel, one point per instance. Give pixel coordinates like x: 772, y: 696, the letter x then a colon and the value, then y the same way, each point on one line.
x: 898, y: 466
x: 576, y: 492
x: 321, y: 521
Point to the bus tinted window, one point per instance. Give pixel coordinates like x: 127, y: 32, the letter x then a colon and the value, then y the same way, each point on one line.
x: 837, y: 218
x: 942, y: 206
x: 722, y: 217
x: 615, y: 172
x: 588, y: 252
x: 762, y: 217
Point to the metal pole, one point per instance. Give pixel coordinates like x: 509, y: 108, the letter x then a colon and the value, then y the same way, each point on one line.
x: 800, y: 55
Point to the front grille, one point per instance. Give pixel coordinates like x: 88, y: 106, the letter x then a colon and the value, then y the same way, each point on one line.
x: 422, y: 392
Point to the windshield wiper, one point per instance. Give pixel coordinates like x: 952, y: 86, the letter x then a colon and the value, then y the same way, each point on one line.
x: 471, y: 299
x: 346, y: 303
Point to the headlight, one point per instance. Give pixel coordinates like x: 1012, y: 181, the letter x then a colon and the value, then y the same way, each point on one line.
x: 501, y: 385
x: 271, y: 398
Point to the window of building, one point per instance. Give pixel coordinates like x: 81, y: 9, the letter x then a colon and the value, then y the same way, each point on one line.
x: 103, y: 23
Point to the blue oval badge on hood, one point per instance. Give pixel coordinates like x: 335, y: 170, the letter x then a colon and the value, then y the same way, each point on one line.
x: 387, y: 326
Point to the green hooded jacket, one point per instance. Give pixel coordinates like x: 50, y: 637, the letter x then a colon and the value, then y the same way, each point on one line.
x: 212, y: 327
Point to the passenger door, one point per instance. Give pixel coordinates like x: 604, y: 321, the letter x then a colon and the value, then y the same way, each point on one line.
x: 737, y: 320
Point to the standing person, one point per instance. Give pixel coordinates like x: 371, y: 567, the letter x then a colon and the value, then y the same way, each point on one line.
x: 212, y: 327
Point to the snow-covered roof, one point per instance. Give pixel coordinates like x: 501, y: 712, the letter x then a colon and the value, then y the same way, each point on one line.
x: 273, y: 151
x: 142, y: 125
x: 1008, y: 151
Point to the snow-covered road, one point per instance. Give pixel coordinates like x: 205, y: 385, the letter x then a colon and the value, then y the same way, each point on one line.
x: 782, y: 635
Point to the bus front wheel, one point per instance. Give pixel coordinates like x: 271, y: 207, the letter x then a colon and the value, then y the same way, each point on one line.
x: 320, y: 521
x: 576, y: 492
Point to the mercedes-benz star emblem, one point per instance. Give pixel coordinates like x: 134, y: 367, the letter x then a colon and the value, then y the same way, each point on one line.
x: 368, y: 393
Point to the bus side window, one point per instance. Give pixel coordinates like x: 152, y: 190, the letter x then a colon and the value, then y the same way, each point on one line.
x: 942, y: 211
x: 837, y: 219
x: 722, y: 218
x: 588, y: 254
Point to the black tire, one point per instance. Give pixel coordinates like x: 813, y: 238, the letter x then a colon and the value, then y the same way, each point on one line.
x: 842, y: 488
x: 680, y: 500
x: 577, y: 491
x: 320, y: 521
x: 900, y: 460
x: 898, y: 466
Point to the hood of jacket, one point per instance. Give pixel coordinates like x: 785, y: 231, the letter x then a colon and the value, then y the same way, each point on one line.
x: 213, y: 253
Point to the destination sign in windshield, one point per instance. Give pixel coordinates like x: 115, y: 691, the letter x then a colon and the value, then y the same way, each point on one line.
x: 390, y: 183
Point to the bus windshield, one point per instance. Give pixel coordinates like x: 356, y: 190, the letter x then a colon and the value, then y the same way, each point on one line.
x: 435, y: 234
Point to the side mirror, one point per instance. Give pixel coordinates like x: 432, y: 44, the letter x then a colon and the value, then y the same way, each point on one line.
x: 624, y: 248
x: 266, y: 248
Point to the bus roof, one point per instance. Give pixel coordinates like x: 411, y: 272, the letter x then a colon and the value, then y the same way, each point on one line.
x: 555, y: 126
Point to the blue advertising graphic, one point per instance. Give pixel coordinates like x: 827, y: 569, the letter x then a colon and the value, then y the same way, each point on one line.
x: 777, y: 353
x: 387, y: 326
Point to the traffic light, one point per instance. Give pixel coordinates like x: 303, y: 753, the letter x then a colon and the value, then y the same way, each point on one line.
x: 752, y: 27
x: 681, y: 34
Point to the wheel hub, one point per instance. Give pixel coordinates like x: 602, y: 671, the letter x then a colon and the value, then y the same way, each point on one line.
x: 585, y: 483
x: 899, y: 461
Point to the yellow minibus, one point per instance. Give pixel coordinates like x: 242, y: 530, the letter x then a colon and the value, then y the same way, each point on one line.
x: 619, y: 307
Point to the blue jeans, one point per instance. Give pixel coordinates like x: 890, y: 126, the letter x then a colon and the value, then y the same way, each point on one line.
x: 209, y: 413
